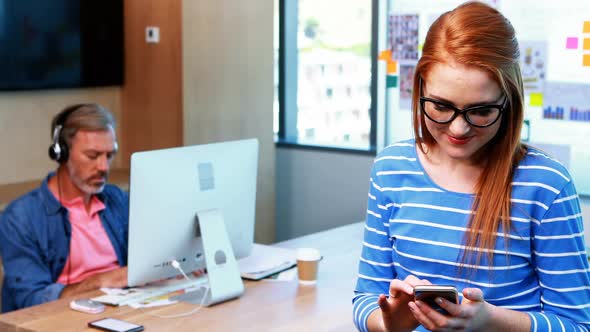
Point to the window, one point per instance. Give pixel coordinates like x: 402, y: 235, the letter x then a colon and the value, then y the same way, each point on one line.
x: 325, y: 74
x: 276, y: 43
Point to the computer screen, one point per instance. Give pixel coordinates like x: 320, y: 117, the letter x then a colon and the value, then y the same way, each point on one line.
x: 169, y: 188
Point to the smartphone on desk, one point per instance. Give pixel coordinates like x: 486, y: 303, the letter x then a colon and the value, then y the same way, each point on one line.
x: 115, y: 325
x: 428, y: 293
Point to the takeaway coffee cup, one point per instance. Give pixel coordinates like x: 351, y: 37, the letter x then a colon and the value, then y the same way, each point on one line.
x: 307, y: 265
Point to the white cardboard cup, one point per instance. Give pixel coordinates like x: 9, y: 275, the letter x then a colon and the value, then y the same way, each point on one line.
x: 307, y: 265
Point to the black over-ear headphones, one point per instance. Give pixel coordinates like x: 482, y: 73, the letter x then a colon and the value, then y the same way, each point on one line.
x: 58, y: 150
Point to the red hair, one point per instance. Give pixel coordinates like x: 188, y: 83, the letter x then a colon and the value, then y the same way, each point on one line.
x: 478, y: 36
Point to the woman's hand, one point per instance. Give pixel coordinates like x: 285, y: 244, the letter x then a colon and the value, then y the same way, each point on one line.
x: 395, y: 313
x: 472, y: 314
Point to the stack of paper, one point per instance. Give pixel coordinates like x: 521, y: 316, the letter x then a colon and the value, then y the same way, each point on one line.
x: 265, y: 261
x: 129, y: 296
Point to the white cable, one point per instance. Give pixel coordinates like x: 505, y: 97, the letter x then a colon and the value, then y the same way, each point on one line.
x: 184, y: 313
x: 176, y: 265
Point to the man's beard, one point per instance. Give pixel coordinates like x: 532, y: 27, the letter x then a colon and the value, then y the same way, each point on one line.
x: 83, y: 184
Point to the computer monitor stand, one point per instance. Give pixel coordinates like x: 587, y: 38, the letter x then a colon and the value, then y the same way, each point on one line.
x: 225, y: 282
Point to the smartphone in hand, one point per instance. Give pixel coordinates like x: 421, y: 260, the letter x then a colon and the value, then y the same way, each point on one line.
x: 428, y: 293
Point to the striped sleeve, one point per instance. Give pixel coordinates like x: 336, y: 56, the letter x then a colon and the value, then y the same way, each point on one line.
x: 562, y: 266
x: 375, y: 265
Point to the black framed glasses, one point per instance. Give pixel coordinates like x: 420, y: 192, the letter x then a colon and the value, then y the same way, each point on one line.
x: 441, y: 112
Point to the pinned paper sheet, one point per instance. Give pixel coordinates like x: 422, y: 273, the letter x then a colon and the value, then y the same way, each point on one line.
x: 586, y: 62
x: 571, y: 43
x: 533, y: 60
x: 536, y: 99
x: 391, y: 67
x: 391, y: 81
x: 391, y: 64
x: 586, y: 27
x: 404, y: 31
x: 385, y: 55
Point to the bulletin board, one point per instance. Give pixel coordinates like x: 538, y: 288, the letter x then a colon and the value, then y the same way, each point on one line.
x: 554, y: 40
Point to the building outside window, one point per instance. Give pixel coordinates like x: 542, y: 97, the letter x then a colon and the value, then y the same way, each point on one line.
x: 328, y: 95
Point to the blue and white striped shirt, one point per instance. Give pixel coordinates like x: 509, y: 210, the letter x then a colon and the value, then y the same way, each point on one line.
x: 416, y: 227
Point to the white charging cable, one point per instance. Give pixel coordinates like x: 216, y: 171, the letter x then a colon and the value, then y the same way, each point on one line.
x: 176, y: 265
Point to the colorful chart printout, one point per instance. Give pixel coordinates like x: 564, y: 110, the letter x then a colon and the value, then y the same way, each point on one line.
x: 406, y: 85
x: 404, y: 36
x: 533, y: 60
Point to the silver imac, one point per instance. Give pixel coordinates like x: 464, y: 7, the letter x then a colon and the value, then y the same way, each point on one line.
x: 189, y: 204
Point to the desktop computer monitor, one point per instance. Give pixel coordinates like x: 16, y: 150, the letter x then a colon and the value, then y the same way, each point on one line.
x: 171, y: 189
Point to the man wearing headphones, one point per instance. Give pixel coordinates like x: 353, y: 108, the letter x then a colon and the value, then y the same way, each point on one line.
x: 69, y: 235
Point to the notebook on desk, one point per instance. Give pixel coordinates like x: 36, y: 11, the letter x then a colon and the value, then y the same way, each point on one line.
x: 265, y: 261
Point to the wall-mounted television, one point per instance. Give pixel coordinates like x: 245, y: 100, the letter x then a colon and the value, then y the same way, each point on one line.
x: 47, y: 44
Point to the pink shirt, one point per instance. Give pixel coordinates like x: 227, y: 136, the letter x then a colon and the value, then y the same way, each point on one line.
x: 91, y: 250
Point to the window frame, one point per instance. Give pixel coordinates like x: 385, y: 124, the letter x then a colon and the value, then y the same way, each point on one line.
x: 287, y: 79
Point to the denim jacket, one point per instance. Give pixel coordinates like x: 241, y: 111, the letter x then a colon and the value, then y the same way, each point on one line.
x: 35, y: 235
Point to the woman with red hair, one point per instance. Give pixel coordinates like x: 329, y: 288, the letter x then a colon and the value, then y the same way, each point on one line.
x: 467, y: 204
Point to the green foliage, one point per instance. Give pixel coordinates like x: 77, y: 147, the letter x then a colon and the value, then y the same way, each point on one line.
x: 358, y: 49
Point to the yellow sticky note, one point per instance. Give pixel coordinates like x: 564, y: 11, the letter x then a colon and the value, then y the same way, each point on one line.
x: 391, y: 67
x: 385, y: 55
x: 587, y: 43
x: 536, y: 99
x: 586, y: 62
x: 586, y: 27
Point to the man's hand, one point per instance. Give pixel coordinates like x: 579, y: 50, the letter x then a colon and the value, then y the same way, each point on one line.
x: 116, y: 278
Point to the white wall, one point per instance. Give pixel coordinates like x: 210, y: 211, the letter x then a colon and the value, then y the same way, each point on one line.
x: 318, y: 190
x: 228, y: 85
x: 25, y: 125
